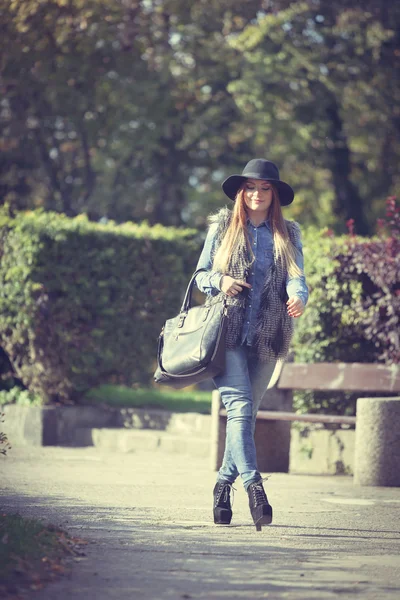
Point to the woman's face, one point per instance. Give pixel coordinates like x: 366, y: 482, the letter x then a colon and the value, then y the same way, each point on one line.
x: 258, y: 196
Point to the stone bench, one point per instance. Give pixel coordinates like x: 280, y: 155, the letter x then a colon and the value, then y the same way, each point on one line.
x: 273, y: 426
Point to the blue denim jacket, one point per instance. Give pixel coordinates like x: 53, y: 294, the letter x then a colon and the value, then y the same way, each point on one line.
x: 209, y: 281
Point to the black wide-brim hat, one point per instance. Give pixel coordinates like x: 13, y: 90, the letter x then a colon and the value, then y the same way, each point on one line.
x: 259, y: 168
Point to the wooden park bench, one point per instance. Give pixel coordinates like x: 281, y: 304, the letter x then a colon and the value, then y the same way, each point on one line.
x: 273, y: 424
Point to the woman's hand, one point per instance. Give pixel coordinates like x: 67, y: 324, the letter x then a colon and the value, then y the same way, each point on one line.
x: 295, y: 307
x: 231, y: 286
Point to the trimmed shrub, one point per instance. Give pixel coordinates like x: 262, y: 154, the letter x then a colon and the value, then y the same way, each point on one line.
x: 82, y: 303
x: 375, y: 265
x: 17, y: 395
x: 353, y: 313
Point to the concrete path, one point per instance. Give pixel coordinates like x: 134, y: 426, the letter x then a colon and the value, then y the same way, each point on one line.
x: 148, y: 519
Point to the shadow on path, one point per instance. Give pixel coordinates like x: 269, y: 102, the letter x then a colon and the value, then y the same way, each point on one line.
x: 151, y: 536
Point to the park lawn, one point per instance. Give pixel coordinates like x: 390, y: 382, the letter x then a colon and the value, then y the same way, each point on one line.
x: 31, y: 553
x: 165, y: 398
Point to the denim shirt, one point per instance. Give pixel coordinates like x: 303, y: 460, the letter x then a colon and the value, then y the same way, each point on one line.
x: 262, y: 246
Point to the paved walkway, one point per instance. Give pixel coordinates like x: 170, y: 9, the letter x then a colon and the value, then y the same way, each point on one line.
x: 148, y: 519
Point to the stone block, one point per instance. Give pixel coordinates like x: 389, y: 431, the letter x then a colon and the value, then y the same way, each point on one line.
x: 23, y: 425
x: 377, y: 455
x: 321, y: 451
x: 69, y: 418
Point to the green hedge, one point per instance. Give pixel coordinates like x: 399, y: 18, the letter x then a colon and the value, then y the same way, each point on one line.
x: 330, y: 329
x: 82, y: 303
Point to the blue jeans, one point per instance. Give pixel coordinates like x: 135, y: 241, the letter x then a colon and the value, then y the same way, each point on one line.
x: 242, y: 387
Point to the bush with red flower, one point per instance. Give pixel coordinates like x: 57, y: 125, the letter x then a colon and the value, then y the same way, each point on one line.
x: 353, y: 313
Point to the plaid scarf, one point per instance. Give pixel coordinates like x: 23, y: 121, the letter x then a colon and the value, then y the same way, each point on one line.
x: 274, y: 327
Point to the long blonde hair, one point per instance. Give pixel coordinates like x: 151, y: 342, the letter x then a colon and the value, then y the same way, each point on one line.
x: 237, y: 236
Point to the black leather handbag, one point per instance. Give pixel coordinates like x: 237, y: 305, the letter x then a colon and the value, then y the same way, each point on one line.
x: 191, y: 346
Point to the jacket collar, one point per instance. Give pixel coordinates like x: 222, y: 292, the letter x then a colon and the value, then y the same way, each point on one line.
x: 266, y: 222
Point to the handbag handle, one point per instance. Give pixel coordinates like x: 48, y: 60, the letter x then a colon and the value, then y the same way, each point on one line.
x: 187, y: 301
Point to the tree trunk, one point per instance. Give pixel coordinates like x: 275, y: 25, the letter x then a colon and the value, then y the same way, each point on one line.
x: 348, y: 203
x: 170, y: 201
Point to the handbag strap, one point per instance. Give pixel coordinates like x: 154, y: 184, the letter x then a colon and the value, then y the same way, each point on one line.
x: 187, y: 301
x: 184, y: 308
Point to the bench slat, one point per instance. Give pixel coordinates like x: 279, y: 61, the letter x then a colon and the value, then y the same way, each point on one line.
x: 275, y: 415
x: 358, y: 377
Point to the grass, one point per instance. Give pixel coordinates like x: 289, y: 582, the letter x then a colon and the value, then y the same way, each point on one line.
x: 187, y: 400
x: 31, y: 553
x: 165, y: 398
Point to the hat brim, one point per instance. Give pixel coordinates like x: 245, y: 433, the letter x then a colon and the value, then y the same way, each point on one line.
x: 232, y: 184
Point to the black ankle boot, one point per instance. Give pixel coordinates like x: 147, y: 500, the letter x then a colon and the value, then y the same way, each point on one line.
x: 222, y: 503
x: 260, y: 508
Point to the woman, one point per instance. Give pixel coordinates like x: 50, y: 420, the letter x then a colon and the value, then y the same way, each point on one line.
x: 253, y: 257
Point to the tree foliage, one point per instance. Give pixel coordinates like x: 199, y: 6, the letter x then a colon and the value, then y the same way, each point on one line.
x: 137, y: 109
x: 321, y: 87
x: 111, y: 107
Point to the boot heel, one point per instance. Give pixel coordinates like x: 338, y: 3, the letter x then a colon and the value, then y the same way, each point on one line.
x: 260, y: 508
x: 262, y: 515
x: 222, y: 516
x: 266, y: 518
x: 222, y: 508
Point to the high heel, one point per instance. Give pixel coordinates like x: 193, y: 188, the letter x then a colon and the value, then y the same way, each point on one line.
x: 222, y: 503
x: 260, y: 508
